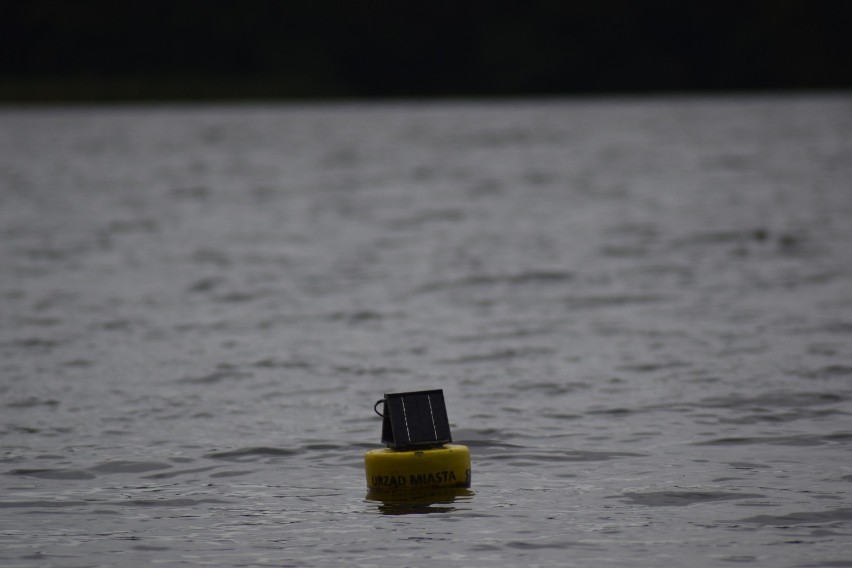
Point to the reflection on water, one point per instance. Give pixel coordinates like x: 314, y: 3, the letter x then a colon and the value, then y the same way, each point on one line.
x: 419, y: 502
x: 638, y: 311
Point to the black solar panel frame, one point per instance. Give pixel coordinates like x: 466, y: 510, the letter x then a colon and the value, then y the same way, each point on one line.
x: 415, y: 420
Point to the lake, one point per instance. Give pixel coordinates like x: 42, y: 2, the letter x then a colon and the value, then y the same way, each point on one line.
x: 639, y: 311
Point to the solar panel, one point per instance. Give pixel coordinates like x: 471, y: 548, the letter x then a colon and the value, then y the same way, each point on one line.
x: 415, y: 420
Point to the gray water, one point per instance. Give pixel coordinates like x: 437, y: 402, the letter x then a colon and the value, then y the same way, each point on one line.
x: 640, y: 312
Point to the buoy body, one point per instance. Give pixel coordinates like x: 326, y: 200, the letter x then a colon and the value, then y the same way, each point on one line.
x: 446, y: 466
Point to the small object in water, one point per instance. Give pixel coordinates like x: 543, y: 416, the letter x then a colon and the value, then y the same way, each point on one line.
x: 420, y: 454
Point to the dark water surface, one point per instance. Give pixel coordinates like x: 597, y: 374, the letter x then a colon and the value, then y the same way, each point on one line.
x: 640, y: 313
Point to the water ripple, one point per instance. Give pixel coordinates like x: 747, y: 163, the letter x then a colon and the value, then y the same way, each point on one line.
x: 52, y: 473
x: 683, y: 498
x: 521, y: 278
x: 251, y: 454
x: 544, y: 456
x: 842, y: 515
x: 791, y: 440
x: 123, y: 466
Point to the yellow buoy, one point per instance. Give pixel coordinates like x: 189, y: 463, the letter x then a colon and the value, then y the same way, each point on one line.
x: 420, y: 455
x: 431, y: 468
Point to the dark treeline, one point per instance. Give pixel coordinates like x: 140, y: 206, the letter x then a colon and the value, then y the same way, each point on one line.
x: 66, y: 49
